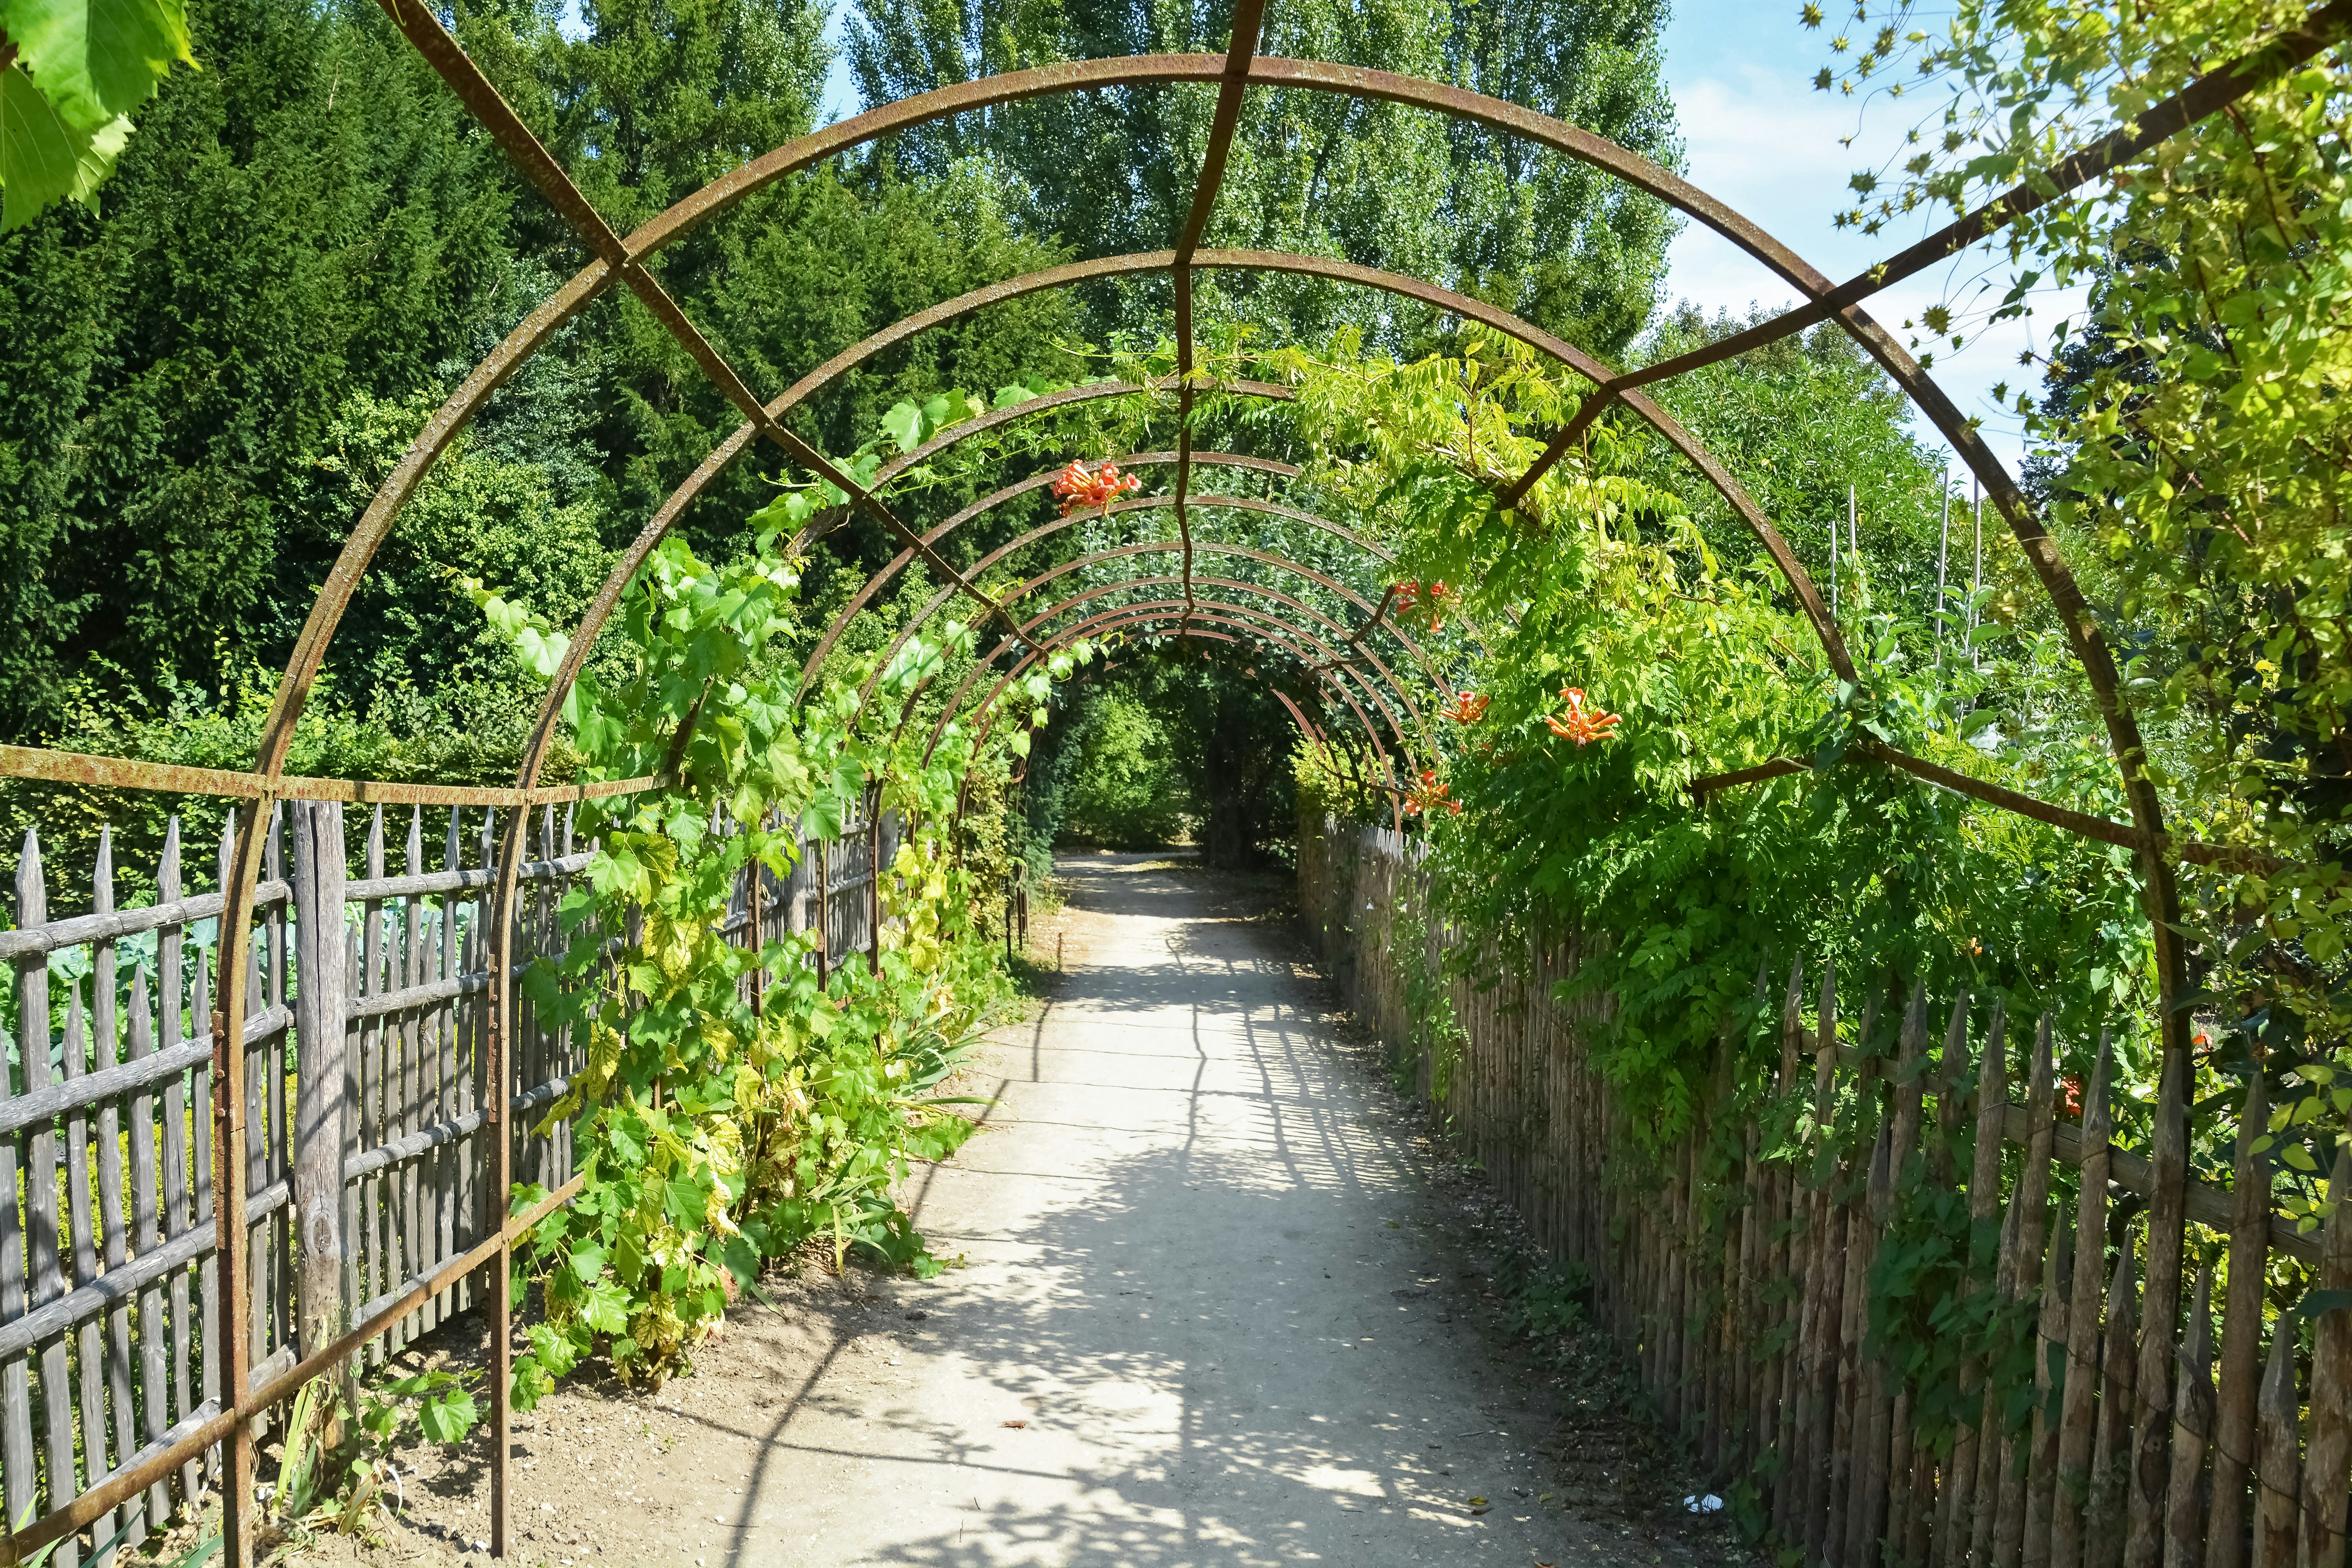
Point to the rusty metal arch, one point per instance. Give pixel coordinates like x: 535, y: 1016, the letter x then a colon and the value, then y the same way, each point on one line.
x: 1161, y: 547
x: 995, y: 419
x: 1125, y: 584
x: 882, y: 576
x: 1453, y: 302
x: 622, y: 260
x: 1171, y: 611
x: 1239, y: 69
x: 1275, y: 632
x: 1174, y: 610
x: 1141, y: 503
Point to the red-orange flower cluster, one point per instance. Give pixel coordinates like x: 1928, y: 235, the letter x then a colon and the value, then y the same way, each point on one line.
x: 1583, y: 724
x: 1427, y: 602
x: 1080, y: 488
x: 1428, y: 796
x: 2073, y: 1104
x: 1467, y: 707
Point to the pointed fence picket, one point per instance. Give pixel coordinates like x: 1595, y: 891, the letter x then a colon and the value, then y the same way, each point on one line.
x: 365, y: 1099
x: 1736, y: 1277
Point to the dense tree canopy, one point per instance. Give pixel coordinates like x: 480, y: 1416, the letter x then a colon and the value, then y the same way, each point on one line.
x: 1112, y: 172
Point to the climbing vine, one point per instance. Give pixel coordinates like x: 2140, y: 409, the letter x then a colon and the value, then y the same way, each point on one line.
x: 732, y: 1107
x: 2193, y: 425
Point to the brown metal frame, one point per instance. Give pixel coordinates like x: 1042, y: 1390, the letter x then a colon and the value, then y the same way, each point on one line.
x: 623, y: 259
x: 898, y: 563
x: 1162, y: 547
x: 1029, y: 628
x: 921, y: 617
x: 1182, y: 613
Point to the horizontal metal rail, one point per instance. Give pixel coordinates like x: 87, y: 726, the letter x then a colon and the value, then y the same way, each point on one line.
x: 128, y: 773
x: 2081, y: 824
x: 158, y: 1460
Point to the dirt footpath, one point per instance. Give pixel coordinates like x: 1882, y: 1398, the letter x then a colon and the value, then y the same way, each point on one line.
x: 1216, y: 1302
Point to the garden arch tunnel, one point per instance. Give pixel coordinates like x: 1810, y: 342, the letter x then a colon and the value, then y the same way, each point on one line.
x: 1141, y: 503
x: 621, y: 259
x: 1314, y: 621
x: 1256, y: 628
x: 882, y: 577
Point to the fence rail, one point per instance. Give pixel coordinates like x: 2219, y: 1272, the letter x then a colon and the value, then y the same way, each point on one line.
x: 365, y: 1157
x: 2176, y: 1417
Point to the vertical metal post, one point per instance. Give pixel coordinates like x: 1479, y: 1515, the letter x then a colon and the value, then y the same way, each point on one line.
x: 824, y: 913
x: 874, y: 883
x: 498, y: 1145
x: 233, y: 1341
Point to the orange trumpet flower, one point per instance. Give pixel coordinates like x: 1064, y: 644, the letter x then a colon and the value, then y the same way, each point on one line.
x: 1081, y: 489
x: 1467, y: 707
x: 1583, y: 724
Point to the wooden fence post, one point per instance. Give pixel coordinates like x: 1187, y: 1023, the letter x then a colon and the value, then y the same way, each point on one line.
x: 2325, y: 1456
x: 2281, y: 1485
x: 2077, y: 1415
x: 319, y: 956
x: 2241, y: 1331
x: 2192, y: 1429
x: 2151, y: 1468
x: 2031, y: 1205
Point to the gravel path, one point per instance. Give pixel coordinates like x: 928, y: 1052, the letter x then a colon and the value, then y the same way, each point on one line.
x: 1214, y: 1303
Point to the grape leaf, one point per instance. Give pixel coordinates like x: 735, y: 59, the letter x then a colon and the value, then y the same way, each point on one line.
x: 43, y: 158
x: 97, y: 59
x: 448, y: 1418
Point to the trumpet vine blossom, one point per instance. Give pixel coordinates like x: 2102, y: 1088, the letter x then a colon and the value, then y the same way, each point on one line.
x: 1583, y: 724
x: 1080, y: 488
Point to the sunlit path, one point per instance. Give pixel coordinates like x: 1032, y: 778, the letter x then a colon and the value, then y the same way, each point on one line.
x: 1189, y: 1274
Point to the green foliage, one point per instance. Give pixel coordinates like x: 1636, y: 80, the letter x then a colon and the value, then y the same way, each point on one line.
x: 71, y: 71
x: 1435, y: 1039
x: 1227, y: 740
x: 308, y: 220
x: 1402, y: 189
x: 1937, y: 1325
x: 1621, y: 594
x: 1799, y: 422
x: 2195, y: 431
x: 1543, y: 1298
x: 732, y: 1108
x: 1117, y: 774
x: 308, y: 244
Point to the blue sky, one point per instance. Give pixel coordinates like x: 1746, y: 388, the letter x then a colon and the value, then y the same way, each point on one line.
x: 1761, y: 139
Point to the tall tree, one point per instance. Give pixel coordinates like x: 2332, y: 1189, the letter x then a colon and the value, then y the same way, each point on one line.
x: 309, y: 242
x: 308, y: 218
x: 1112, y: 172
x: 653, y: 99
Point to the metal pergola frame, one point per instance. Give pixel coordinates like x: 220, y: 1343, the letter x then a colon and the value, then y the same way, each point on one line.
x: 618, y: 259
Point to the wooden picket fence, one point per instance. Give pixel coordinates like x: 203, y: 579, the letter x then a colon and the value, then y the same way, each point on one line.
x: 364, y: 1150
x: 2178, y: 1417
